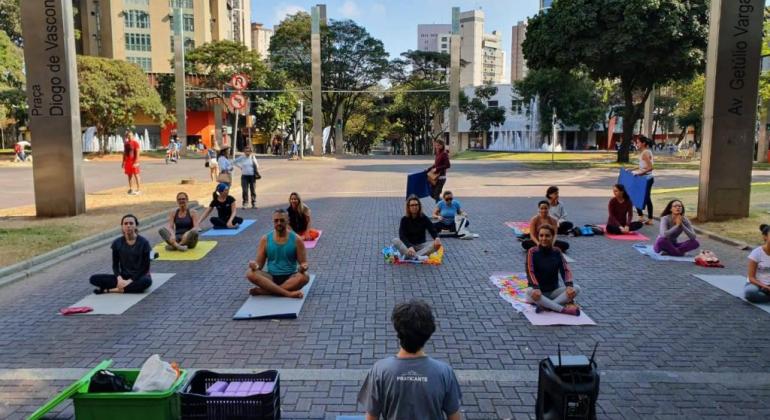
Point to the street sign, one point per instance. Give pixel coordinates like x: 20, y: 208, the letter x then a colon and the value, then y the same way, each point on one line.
x: 237, y: 101
x: 239, y: 81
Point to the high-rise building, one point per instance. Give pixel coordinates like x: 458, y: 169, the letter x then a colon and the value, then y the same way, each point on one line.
x: 518, y: 63
x: 141, y: 31
x: 260, y: 39
x: 429, y: 37
x: 482, y: 52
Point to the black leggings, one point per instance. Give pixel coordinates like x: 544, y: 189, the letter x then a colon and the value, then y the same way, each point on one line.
x: 529, y: 243
x: 615, y: 230
x: 247, y: 185
x: 435, y: 190
x: 648, y: 200
x: 110, y: 281
x: 565, y: 227
x: 222, y: 224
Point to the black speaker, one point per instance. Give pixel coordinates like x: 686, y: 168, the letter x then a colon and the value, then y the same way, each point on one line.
x: 567, y: 388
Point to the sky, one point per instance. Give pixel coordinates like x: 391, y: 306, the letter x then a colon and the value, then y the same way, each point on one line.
x: 395, y: 22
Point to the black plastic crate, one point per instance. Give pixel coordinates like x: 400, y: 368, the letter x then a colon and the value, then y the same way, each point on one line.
x: 196, y: 404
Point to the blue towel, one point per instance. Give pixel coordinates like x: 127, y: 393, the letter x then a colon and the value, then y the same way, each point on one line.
x: 636, y: 186
x: 417, y: 184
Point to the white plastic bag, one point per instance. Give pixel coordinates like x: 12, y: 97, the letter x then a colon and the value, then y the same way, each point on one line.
x: 156, y: 375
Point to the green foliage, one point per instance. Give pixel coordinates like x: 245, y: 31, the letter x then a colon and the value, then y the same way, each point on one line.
x: 351, y: 60
x: 216, y: 62
x: 369, y: 125
x: 112, y: 93
x: 12, y: 99
x: 274, y: 109
x: 689, y: 107
x: 641, y: 43
x: 10, y: 20
x: 482, y: 117
x: 576, y: 98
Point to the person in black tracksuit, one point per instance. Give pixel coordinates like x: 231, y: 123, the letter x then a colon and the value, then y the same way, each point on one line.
x: 130, y: 262
x: 545, y: 264
x: 411, y: 232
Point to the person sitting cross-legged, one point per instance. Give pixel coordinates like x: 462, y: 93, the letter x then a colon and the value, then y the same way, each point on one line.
x: 757, y: 289
x: 543, y: 217
x: 545, y: 264
x: 446, y: 215
x: 226, y: 209
x: 130, y: 262
x: 556, y: 210
x: 411, y: 385
x: 673, y: 223
x: 300, y: 218
x: 411, y: 232
x: 284, y: 253
x: 183, y: 222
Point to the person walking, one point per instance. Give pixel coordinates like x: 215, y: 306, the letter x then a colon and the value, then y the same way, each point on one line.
x: 131, y: 152
x: 643, y: 144
x: 249, y: 174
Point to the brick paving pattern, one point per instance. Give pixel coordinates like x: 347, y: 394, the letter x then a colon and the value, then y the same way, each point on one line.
x: 651, y: 316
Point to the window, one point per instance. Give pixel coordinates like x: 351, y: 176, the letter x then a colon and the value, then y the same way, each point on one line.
x: 443, y: 45
x: 136, y: 2
x: 188, y: 23
x: 492, y: 104
x: 138, y: 42
x: 185, y: 4
x: 189, y: 43
x: 517, y: 106
x: 136, y: 19
x: 144, y: 62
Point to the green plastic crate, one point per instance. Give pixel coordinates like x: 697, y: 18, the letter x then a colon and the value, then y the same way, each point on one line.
x: 162, y: 405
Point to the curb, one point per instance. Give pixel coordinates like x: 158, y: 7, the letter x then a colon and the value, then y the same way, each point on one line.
x: 717, y: 237
x: 27, y: 268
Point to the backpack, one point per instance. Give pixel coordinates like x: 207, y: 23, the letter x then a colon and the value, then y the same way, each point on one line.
x: 106, y: 381
x: 587, y: 230
x: 708, y: 259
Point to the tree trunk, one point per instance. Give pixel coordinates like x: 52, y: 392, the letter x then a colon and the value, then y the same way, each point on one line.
x: 682, y: 135
x: 762, y: 145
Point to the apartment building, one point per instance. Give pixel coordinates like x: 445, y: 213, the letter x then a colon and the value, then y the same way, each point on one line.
x: 260, y: 39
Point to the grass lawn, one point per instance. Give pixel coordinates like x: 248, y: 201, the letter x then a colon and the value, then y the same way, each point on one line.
x: 25, y: 236
x: 745, y: 230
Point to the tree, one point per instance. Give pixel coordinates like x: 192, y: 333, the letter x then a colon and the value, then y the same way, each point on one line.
x: 216, y: 62
x: 273, y: 109
x: 575, y: 98
x: 689, y: 106
x: 10, y: 20
x: 352, y: 62
x: 112, y: 93
x: 481, y: 116
x: 13, y: 104
x: 642, y: 43
x: 369, y: 125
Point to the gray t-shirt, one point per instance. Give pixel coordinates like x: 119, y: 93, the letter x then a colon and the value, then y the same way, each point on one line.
x: 414, y: 388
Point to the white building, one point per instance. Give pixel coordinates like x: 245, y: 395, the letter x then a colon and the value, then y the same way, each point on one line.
x: 428, y: 37
x: 260, y: 39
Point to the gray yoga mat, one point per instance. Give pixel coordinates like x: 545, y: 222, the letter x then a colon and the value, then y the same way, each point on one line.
x: 733, y: 285
x: 273, y: 307
x: 117, y: 303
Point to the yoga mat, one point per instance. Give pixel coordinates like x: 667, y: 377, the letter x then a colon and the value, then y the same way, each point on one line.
x: 229, y: 232
x: 650, y: 252
x: 117, y: 303
x: 312, y: 244
x: 636, y: 186
x: 417, y: 184
x: 631, y: 236
x: 513, y: 289
x: 273, y: 307
x: 733, y: 285
x: 200, y: 251
x: 519, y: 228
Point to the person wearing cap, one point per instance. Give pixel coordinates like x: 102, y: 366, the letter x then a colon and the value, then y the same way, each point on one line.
x: 226, y: 209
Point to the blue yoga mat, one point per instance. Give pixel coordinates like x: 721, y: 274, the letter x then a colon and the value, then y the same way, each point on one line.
x: 636, y: 186
x: 417, y: 184
x: 229, y: 232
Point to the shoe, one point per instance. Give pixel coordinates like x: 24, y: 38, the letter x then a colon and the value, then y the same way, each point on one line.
x: 130, y: 192
x: 137, y: 192
x: 254, y: 206
x: 571, y: 310
x: 243, y: 206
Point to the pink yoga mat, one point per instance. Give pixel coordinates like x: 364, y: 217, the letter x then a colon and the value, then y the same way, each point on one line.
x: 553, y: 318
x: 312, y: 244
x: 519, y: 227
x: 631, y: 236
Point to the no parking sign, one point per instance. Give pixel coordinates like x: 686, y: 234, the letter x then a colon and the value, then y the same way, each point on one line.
x: 239, y: 81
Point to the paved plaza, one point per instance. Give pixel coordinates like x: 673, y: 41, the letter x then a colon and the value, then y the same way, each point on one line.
x: 670, y: 345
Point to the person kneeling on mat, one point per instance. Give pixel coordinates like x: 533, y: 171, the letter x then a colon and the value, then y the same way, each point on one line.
x: 545, y: 264
x: 411, y: 241
x: 299, y: 218
x: 757, y: 290
x: 130, y: 262
x: 411, y: 384
x: 543, y: 218
x: 556, y: 210
x: 621, y: 212
x: 284, y: 252
x: 673, y: 223
x: 449, y: 216
x: 226, y: 209
x: 183, y: 221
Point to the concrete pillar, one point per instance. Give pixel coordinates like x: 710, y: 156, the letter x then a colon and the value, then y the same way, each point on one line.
x: 454, y: 78
x: 54, y: 107
x: 730, y: 105
x: 181, y: 102
x: 315, y: 47
x: 649, y: 115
